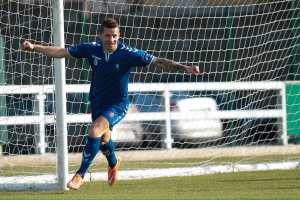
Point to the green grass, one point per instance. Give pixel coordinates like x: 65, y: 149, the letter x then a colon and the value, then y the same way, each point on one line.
x: 268, y: 185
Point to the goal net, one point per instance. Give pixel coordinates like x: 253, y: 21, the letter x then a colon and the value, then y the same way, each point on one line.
x: 243, y: 109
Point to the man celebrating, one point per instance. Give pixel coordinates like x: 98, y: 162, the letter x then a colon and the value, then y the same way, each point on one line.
x: 111, y: 62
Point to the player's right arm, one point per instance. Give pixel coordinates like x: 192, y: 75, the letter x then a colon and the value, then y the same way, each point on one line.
x: 50, y: 51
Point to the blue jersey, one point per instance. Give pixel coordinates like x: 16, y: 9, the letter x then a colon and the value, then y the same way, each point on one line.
x: 110, y: 72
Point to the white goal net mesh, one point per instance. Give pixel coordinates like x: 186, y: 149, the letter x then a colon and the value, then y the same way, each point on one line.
x: 246, y: 96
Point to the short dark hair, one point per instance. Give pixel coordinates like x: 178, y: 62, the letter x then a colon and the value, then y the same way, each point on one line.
x: 109, y: 23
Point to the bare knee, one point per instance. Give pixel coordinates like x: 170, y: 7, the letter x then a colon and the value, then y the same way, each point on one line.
x: 99, y: 127
x: 106, y: 137
x: 95, y: 131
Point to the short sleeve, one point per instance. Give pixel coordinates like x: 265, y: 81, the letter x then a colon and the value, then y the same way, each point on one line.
x: 79, y: 50
x: 139, y: 58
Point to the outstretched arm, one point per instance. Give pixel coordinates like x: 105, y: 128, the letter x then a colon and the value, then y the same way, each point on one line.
x: 170, y: 64
x: 50, y: 51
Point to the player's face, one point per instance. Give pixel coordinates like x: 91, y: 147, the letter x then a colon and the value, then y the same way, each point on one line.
x: 110, y: 37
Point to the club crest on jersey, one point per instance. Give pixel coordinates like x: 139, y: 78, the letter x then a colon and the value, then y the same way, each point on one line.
x: 111, y: 114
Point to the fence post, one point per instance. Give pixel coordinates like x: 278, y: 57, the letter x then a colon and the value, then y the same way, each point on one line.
x: 168, y: 140
x: 284, y: 135
x: 41, y: 144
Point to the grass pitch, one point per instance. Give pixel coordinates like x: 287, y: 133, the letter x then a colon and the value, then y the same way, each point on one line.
x: 267, y: 185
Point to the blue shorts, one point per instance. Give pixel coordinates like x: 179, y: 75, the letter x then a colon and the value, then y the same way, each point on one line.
x: 113, y: 113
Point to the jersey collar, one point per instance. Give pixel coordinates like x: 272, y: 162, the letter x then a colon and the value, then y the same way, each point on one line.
x: 107, y: 55
x: 119, y: 46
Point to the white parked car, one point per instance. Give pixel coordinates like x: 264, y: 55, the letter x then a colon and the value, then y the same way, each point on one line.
x: 191, y: 127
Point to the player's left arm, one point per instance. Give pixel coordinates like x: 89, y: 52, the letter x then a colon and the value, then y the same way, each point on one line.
x: 170, y: 64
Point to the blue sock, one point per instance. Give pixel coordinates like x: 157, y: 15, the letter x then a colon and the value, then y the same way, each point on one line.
x: 90, y: 151
x: 108, y: 150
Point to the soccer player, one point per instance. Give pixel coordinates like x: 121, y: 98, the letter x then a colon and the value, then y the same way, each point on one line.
x: 111, y: 61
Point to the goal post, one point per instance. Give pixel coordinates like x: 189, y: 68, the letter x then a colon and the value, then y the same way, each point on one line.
x: 240, y: 112
x: 60, y: 96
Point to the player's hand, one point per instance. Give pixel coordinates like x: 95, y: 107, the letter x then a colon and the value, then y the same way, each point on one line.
x: 193, y: 70
x: 27, y: 46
